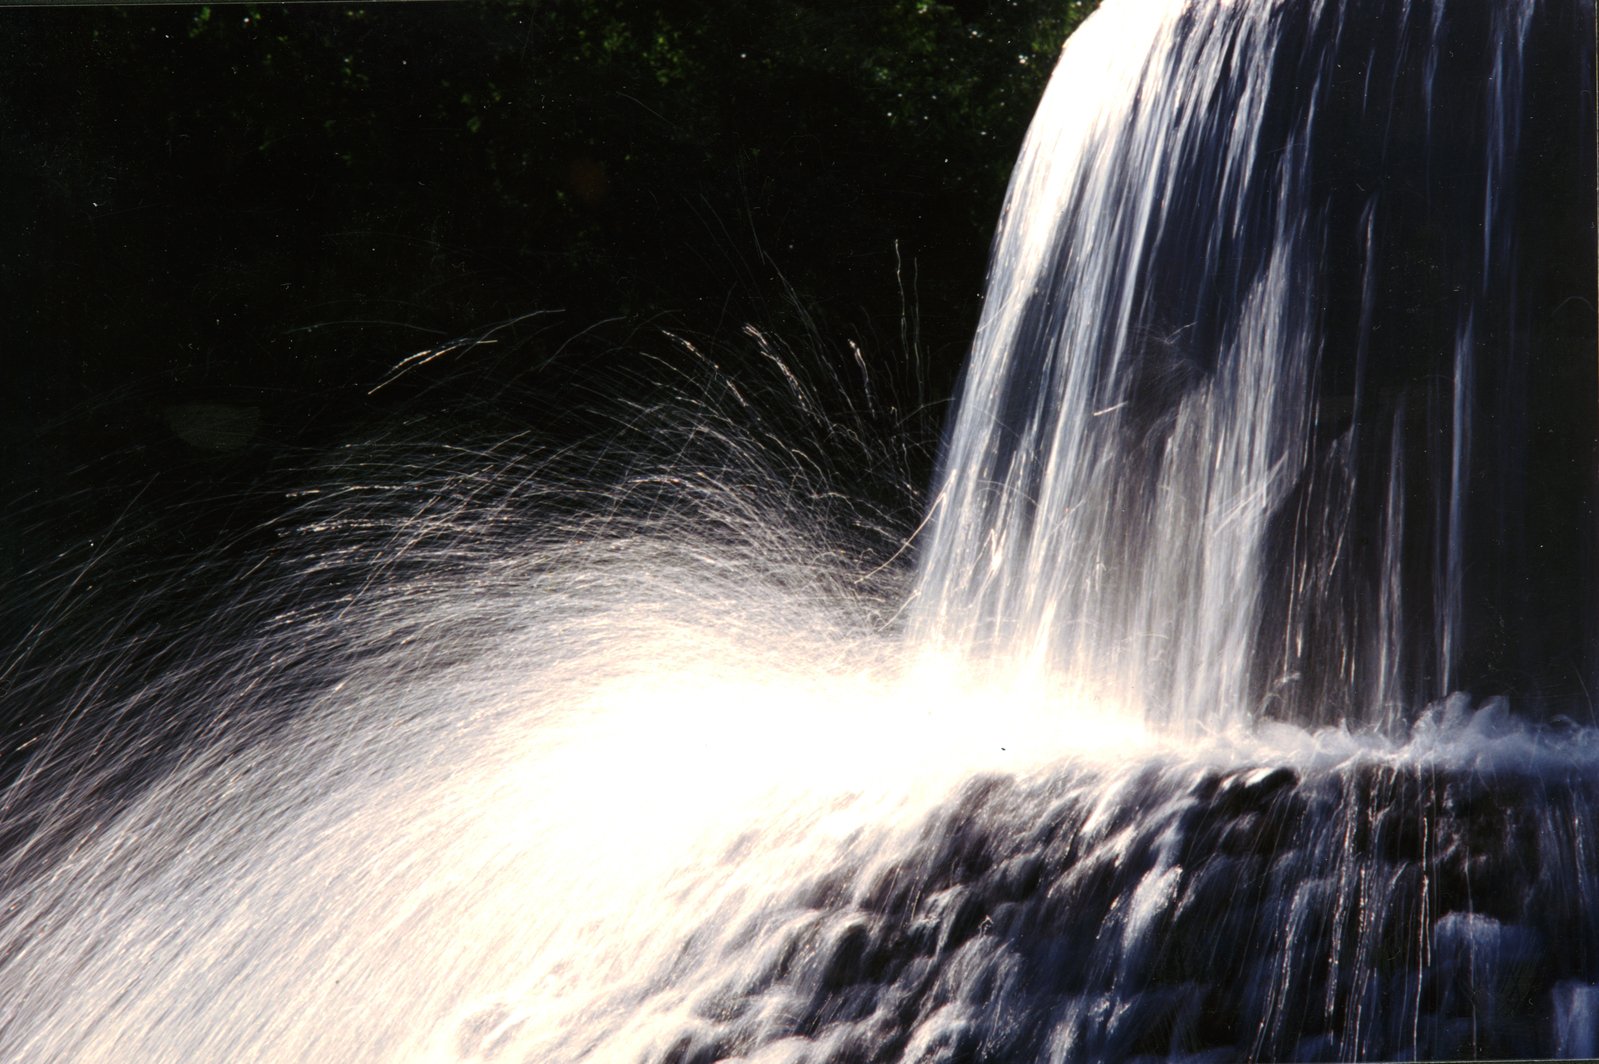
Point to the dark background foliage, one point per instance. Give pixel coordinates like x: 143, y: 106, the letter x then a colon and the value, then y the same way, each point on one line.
x: 225, y: 225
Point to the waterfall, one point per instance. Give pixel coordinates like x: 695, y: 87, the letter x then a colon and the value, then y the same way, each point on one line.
x: 1235, y: 708
x: 1281, y: 402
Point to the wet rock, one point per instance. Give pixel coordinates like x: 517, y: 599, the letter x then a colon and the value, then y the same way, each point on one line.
x: 1245, y: 835
x: 1145, y: 1023
x: 1217, y: 1023
x: 893, y: 889
x: 1327, y: 917
x: 829, y: 890
x: 1401, y: 832
x: 1210, y: 920
x: 847, y: 957
x: 963, y: 919
x: 944, y: 1039
x: 694, y: 1048
x: 1018, y: 878
x: 1250, y: 791
x: 1204, y: 789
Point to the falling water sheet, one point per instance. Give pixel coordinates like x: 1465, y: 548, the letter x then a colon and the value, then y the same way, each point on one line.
x: 1160, y: 752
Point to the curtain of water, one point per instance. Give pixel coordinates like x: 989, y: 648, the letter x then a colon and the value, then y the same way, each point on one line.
x: 1260, y: 415
x: 1274, y: 406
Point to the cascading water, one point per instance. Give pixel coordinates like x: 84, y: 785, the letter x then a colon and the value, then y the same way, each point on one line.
x: 1283, y: 394
x: 1279, y: 415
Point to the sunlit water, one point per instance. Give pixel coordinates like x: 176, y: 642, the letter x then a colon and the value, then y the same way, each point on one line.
x: 1271, y: 407
x: 687, y: 772
x: 557, y: 813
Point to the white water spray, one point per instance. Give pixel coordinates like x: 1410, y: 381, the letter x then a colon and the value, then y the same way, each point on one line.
x: 470, y: 771
x: 545, y: 783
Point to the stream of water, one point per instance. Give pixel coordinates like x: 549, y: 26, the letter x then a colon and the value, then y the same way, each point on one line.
x: 1235, y: 707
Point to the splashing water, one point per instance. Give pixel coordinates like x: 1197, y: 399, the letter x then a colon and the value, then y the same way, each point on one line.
x: 525, y: 782
x: 469, y: 770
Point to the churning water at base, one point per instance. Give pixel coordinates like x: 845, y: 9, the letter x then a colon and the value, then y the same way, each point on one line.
x: 489, y: 759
